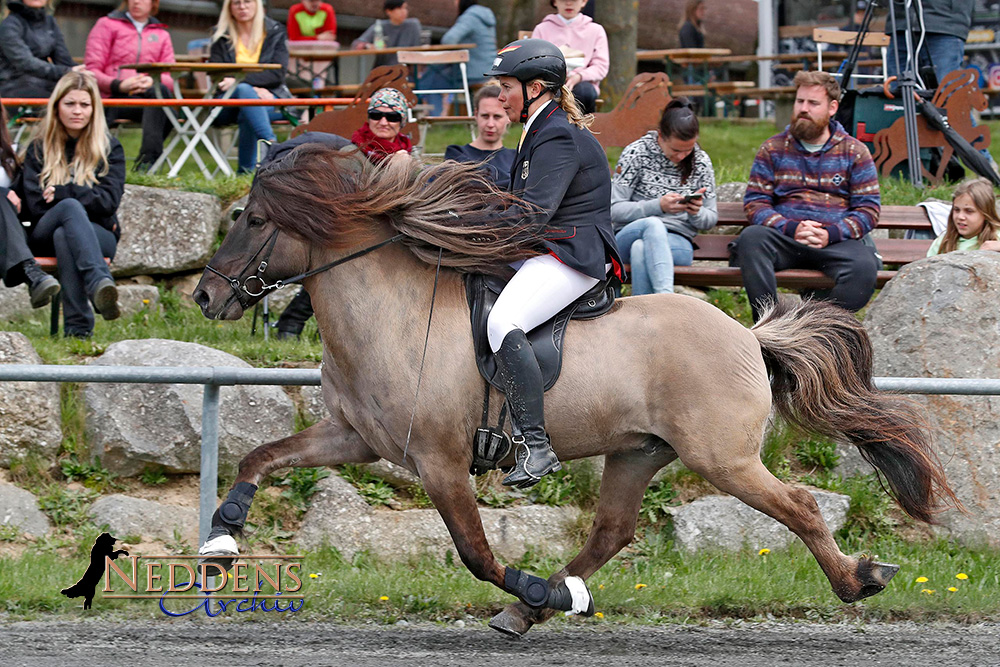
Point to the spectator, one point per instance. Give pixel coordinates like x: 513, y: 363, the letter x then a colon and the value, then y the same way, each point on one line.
x: 17, y: 264
x: 477, y: 25
x: 662, y: 195
x: 131, y: 34
x: 487, y: 148
x: 246, y: 35
x: 692, y: 29
x: 312, y: 20
x: 399, y: 30
x: 946, y: 27
x: 379, y: 138
x: 812, y: 198
x: 585, y: 45
x: 33, y: 53
x: 973, y: 223
x: 72, y: 181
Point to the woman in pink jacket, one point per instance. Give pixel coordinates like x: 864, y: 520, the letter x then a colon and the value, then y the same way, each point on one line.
x: 572, y: 31
x: 127, y: 36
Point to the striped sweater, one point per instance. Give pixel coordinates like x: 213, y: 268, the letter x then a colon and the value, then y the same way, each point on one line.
x: 836, y: 186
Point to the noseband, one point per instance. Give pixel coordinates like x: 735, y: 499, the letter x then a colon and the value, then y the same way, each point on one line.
x: 243, y: 287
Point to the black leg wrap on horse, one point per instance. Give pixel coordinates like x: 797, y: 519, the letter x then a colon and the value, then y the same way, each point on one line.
x: 532, y: 590
x: 232, y: 513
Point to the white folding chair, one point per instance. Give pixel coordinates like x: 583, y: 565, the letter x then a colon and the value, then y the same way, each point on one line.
x: 458, y: 57
x: 847, y: 39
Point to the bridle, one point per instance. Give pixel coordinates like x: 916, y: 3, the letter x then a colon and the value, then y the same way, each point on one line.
x: 244, y: 289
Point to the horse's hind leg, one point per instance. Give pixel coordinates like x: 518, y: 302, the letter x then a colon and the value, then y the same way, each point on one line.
x: 852, y: 579
x: 626, y: 477
x: 328, y: 443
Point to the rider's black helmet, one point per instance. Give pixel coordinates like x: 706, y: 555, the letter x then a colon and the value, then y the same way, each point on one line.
x: 530, y: 59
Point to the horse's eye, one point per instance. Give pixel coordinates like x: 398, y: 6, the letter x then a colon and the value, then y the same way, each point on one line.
x: 256, y: 221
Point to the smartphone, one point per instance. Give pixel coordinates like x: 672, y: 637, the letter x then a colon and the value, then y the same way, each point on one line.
x: 691, y: 197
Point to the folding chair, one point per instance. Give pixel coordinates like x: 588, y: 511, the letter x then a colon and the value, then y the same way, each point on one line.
x: 848, y: 38
x: 458, y: 57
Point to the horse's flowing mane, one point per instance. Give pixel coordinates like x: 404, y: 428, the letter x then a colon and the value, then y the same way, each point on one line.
x: 334, y: 198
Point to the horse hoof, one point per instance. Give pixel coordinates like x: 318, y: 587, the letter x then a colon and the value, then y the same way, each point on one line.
x: 510, y: 624
x: 221, y: 551
x: 874, y: 577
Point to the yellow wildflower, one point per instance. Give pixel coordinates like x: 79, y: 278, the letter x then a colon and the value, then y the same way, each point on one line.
x: 384, y: 598
x: 929, y: 591
x: 599, y: 615
x: 763, y: 552
x: 639, y: 587
x: 921, y: 580
x: 952, y: 589
x: 600, y: 587
x: 313, y: 575
x: 145, y: 302
x: 962, y: 575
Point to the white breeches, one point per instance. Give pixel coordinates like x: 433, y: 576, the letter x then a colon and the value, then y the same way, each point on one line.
x: 541, y: 288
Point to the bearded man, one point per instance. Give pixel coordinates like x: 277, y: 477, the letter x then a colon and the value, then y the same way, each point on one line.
x: 812, y: 198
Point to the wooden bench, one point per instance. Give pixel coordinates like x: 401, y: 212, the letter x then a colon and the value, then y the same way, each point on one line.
x: 714, y: 247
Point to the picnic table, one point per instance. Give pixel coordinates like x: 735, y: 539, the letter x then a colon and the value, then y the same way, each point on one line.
x: 303, y: 57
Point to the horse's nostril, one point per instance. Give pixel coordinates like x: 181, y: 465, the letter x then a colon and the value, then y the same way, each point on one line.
x: 200, y: 297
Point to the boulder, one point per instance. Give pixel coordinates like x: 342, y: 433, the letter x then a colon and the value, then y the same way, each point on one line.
x: 724, y: 522
x: 19, y: 508
x: 938, y: 318
x: 312, y: 403
x: 134, y: 299
x: 14, y: 303
x: 731, y: 192
x: 30, y: 416
x: 127, y: 517
x: 132, y: 426
x: 340, y: 518
x: 165, y: 231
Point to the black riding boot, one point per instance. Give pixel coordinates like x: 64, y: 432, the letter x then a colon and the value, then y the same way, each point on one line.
x: 41, y: 286
x: 522, y: 378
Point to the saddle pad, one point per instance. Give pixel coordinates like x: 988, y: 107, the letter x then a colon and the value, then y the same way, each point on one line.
x: 546, y: 340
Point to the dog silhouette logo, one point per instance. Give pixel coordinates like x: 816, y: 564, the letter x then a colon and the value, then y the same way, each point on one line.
x: 104, y: 547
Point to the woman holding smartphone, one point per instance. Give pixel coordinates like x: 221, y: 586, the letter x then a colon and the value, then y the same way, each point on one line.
x: 662, y: 195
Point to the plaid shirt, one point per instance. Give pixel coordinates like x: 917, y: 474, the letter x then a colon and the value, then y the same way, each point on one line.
x: 836, y: 186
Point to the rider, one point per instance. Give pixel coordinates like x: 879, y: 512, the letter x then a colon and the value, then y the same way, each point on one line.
x: 562, y: 171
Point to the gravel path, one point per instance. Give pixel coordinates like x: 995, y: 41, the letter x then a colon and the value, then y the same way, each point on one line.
x: 293, y: 643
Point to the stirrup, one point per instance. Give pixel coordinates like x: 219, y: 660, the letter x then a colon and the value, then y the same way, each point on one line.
x: 520, y: 476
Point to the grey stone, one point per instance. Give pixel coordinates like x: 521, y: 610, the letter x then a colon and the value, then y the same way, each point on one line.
x: 185, y: 284
x: 128, y: 516
x: 851, y: 462
x: 30, y: 418
x: 132, y: 426
x: 393, y: 474
x: 134, y: 299
x: 19, y: 508
x: 312, y: 403
x: 724, y: 522
x: 340, y: 518
x: 165, y: 231
x: 938, y: 318
x: 14, y: 303
x: 731, y: 192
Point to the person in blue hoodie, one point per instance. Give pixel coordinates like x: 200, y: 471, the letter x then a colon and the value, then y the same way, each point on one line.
x: 477, y: 25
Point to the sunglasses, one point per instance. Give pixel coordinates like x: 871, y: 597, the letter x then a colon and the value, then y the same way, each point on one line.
x: 391, y: 116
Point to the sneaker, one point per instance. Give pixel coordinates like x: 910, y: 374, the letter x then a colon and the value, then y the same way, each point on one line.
x: 106, y: 299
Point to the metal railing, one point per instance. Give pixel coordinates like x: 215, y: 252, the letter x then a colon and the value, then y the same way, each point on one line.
x: 213, y: 377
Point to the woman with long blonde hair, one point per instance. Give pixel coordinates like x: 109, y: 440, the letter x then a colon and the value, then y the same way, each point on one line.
x: 973, y: 223
x: 246, y: 35
x: 72, y: 182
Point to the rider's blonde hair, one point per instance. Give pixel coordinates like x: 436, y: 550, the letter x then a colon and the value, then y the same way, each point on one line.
x: 567, y: 102
x: 226, y: 27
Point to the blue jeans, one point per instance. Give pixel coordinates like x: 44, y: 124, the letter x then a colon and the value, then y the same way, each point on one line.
x: 653, y: 251
x: 254, y: 122
x: 943, y: 52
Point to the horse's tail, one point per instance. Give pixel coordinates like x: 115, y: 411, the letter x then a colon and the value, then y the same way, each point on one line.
x: 820, y: 360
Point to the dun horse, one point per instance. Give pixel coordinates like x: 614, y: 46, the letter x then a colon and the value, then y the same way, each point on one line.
x: 658, y: 378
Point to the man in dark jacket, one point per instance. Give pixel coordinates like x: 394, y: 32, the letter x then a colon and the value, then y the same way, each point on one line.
x: 946, y: 27
x: 33, y: 53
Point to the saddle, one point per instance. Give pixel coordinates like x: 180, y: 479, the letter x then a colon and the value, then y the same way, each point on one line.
x: 491, y: 445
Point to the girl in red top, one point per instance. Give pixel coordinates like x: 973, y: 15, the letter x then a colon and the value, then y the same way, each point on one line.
x: 312, y: 20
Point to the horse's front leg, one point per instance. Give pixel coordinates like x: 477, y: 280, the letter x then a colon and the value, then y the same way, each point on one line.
x: 626, y: 477
x: 447, y: 485
x: 328, y: 443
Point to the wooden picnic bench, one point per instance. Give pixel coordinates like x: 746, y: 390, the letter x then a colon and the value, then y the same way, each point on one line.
x: 715, y: 248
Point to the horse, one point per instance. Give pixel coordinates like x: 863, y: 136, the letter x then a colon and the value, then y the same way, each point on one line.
x: 382, y: 251
x: 958, y: 94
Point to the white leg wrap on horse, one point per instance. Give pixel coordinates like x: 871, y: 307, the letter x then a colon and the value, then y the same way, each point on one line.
x: 583, y: 601
x: 223, y: 545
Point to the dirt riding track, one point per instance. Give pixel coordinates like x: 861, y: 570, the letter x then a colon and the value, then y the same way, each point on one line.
x: 293, y: 643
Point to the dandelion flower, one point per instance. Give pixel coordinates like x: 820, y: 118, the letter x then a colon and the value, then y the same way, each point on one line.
x: 145, y: 302
x: 929, y: 591
x: 600, y: 587
x: 314, y: 575
x: 921, y: 580
x: 763, y: 552
x: 639, y: 587
x: 598, y: 615
x: 952, y: 589
x: 962, y: 575
x: 384, y: 598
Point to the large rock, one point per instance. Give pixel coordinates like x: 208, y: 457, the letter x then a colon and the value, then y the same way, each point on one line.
x: 30, y: 418
x: 724, y: 522
x: 312, y: 403
x: 132, y: 426
x: 938, y: 318
x: 134, y: 517
x: 134, y: 298
x: 731, y: 192
x: 14, y: 303
x: 19, y: 508
x: 165, y: 231
x: 340, y: 518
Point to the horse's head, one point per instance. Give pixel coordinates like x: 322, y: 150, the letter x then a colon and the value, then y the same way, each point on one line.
x: 293, y: 205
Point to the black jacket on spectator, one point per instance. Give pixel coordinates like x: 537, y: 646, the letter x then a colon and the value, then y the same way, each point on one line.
x: 273, y: 51
x: 33, y: 53
x: 100, y: 201
x: 691, y: 37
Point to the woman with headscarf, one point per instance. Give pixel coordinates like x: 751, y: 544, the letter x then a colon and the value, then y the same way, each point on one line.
x: 381, y: 134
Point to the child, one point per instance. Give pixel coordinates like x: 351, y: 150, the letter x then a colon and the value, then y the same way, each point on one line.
x: 973, y: 223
